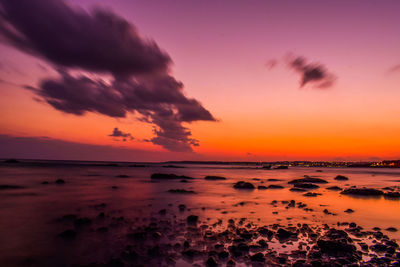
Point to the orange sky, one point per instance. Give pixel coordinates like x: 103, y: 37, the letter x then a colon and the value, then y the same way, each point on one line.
x: 262, y: 113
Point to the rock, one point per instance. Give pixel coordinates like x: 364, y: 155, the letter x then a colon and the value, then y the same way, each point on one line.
x: 319, y: 170
x: 349, y: 211
x: 306, y: 185
x: 7, y: 186
x: 261, y: 187
x: 11, y: 161
x: 341, y: 178
x: 295, y: 189
x: 334, y: 188
x: 114, y: 187
x: 231, y: 263
x: 162, y: 212
x: 391, y: 195
x: 138, y: 166
x: 181, y: 207
x: 283, y: 234
x: 308, y: 179
x: 274, y: 186
x: 181, y: 191
x: 362, y: 192
x: 164, y: 176
x: 258, y: 257
x: 273, y: 180
x: 183, y: 181
x: 192, y: 219
x: 214, y: 178
x: 102, y: 229
x: 391, y: 229
x: 337, y: 243
x: 68, y: 234
x: 211, y: 262
x: 310, y: 194
x: 122, y: 176
x: 45, y: 182
x: 243, y: 185
x: 223, y: 255
x: 60, y: 181
x: 82, y: 221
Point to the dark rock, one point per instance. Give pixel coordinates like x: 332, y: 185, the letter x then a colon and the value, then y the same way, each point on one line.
x: 341, y: 178
x: 274, y: 186
x: 68, y: 234
x: 181, y: 191
x: 7, y: 186
x: 82, y: 222
x: 243, y: 185
x: 334, y: 188
x: 214, y: 178
x: 281, y: 167
x: 258, y: 257
x: 115, y: 262
x: 273, y: 180
x: 181, y: 207
x: 349, y: 211
x: 230, y: 263
x: 102, y: 229
x: 308, y: 180
x: 391, y: 229
x: 391, y: 195
x: 283, y: 234
x: 362, y: 192
x: 60, y: 181
x: 192, y: 219
x: 45, y: 182
x: 261, y: 187
x: 165, y: 176
x: 310, y: 194
x: 114, y: 187
x: 211, y: 262
x: 223, y: 255
x: 162, y: 212
x: 306, y: 185
x: 11, y: 161
x: 122, y: 176
x: 183, y: 181
x: 137, y: 165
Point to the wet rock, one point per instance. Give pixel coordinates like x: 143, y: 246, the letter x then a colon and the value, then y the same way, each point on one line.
x: 341, y: 178
x: 182, y: 207
x: 308, y: 179
x: 261, y: 187
x: 60, y: 181
x: 102, y: 229
x: 122, y: 176
x: 243, y: 185
x: 391, y: 229
x: 295, y: 189
x: 223, y: 255
x: 45, y: 182
x: 11, y: 161
x: 362, y: 192
x: 114, y: 187
x: 337, y: 243
x: 349, y: 211
x: 68, y: 234
x: 211, y: 262
x: 165, y: 176
x: 274, y: 186
x: 183, y: 181
x: 181, y: 191
x: 162, y: 212
x: 281, y: 167
x: 214, y: 178
x: 311, y: 194
x: 283, y: 234
x: 231, y: 263
x: 79, y: 222
x: 115, y: 262
x: 334, y: 188
x: 305, y: 185
x: 258, y: 257
x: 8, y: 186
x: 192, y: 219
x: 393, y: 195
x: 273, y: 180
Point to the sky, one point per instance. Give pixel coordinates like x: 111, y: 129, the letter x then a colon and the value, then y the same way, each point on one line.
x: 199, y: 80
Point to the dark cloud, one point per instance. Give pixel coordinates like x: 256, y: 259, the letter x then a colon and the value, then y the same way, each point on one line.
x: 117, y: 133
x: 102, y: 42
x: 313, y: 73
x: 97, y: 41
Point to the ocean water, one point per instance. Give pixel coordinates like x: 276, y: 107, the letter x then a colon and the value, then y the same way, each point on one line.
x: 32, y: 216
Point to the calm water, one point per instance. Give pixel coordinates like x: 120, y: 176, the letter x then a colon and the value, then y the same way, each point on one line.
x: 30, y: 217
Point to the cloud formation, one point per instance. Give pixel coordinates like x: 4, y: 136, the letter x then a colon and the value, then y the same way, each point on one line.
x: 102, y: 42
x: 117, y: 133
x: 313, y: 73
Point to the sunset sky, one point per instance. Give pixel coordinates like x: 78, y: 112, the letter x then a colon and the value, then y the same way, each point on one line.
x: 200, y: 80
